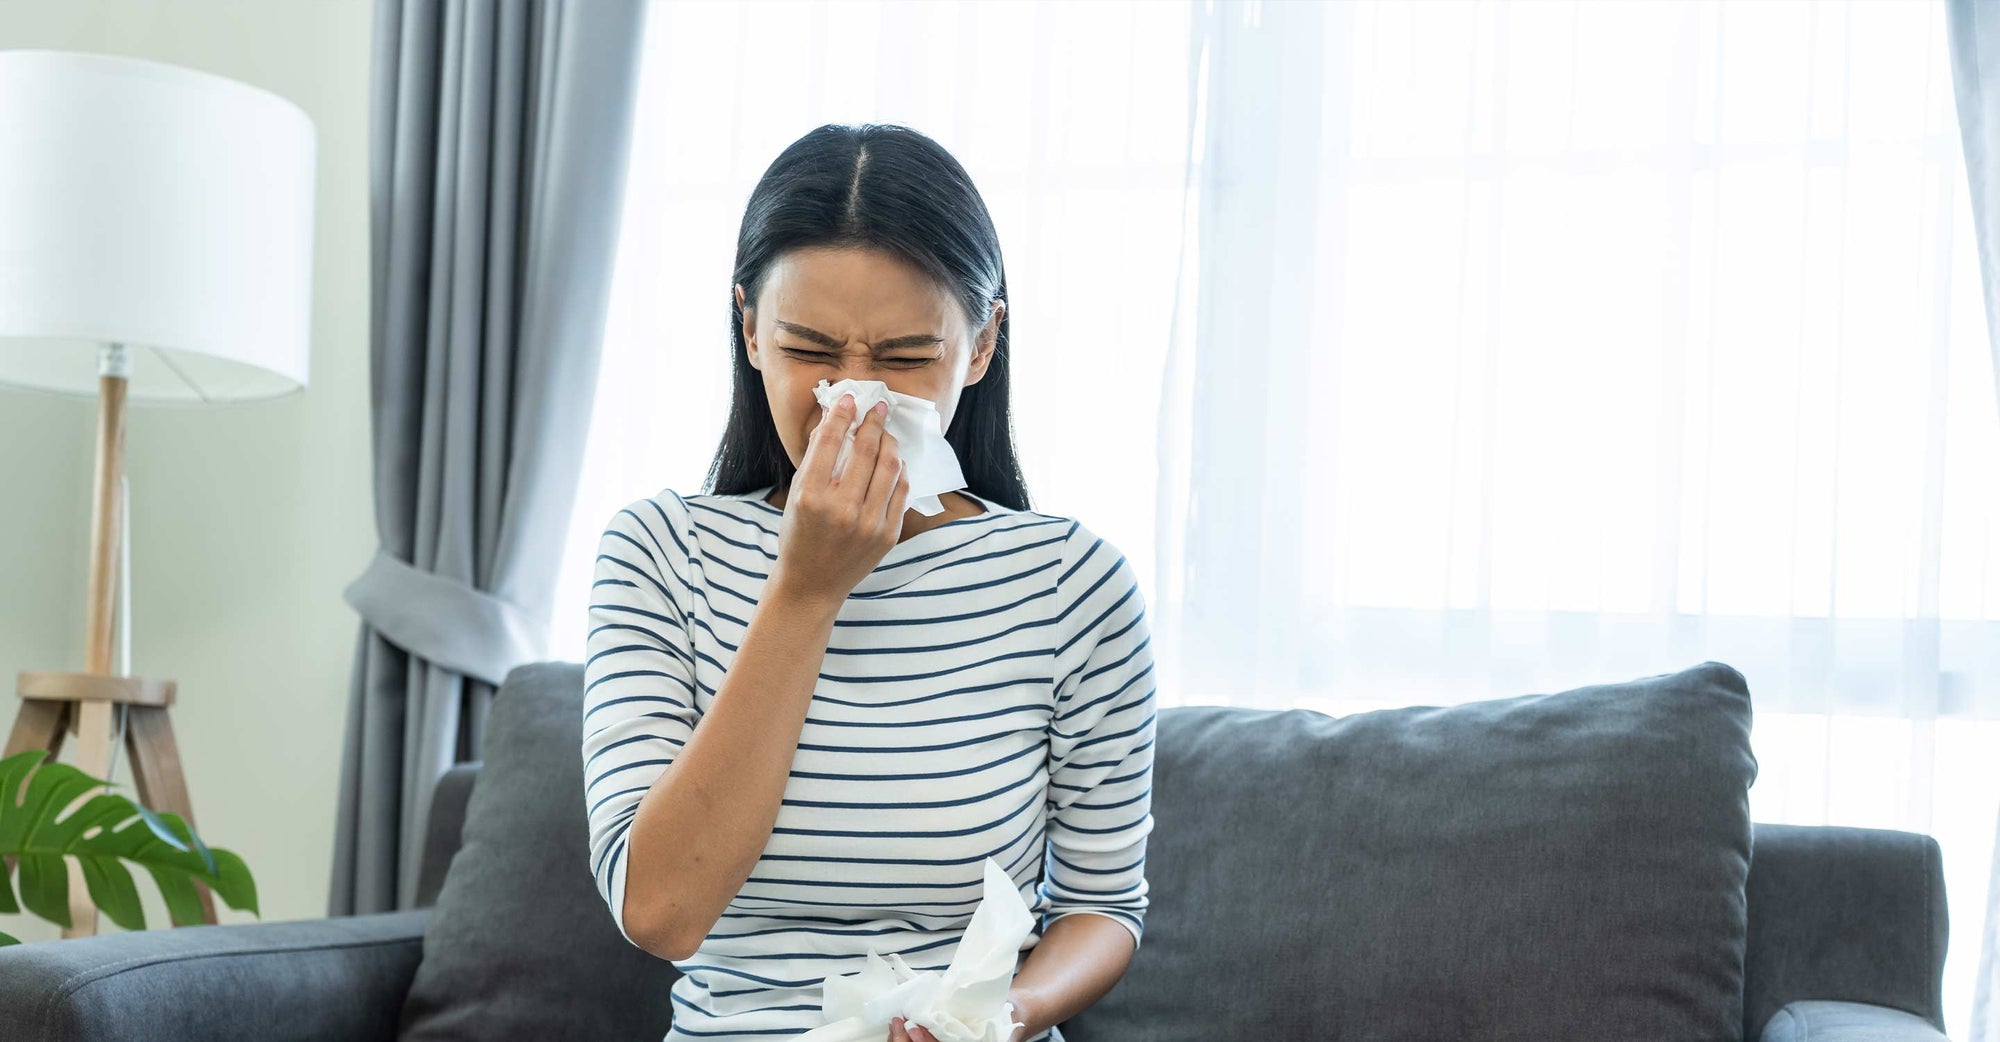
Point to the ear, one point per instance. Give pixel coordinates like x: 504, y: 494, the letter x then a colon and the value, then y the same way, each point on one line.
x: 989, y: 340
x: 749, y: 328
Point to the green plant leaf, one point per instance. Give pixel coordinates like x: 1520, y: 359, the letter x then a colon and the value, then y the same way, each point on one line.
x: 177, y: 835
x: 102, y: 834
x: 177, y: 890
x: 231, y: 879
x: 111, y: 890
x: 45, y: 887
x: 54, y: 786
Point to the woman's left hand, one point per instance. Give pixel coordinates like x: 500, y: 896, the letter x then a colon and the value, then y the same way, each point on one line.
x: 899, y: 1031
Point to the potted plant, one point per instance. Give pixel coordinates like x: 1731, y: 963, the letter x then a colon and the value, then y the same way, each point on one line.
x: 102, y: 834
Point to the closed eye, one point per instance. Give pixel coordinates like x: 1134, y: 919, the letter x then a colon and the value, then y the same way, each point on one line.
x: 905, y: 362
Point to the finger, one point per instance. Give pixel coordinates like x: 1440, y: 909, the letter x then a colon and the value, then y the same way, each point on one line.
x: 919, y: 1034
x: 899, y: 500
x: 816, y: 469
x: 896, y: 1032
x: 867, y: 445
x: 889, y: 469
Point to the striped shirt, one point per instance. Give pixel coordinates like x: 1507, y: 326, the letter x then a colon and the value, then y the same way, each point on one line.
x: 988, y: 690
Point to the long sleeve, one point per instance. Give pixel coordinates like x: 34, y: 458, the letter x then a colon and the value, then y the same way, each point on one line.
x: 1101, y: 739
x: 639, y: 706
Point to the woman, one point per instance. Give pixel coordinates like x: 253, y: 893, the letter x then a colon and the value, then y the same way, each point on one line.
x: 812, y: 713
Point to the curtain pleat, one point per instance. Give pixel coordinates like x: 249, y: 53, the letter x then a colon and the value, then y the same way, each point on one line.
x: 500, y: 133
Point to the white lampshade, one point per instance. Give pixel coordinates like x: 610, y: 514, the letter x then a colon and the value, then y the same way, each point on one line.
x: 162, y: 208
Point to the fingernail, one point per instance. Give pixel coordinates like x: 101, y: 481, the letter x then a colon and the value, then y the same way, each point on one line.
x: 881, y: 408
x: 847, y: 401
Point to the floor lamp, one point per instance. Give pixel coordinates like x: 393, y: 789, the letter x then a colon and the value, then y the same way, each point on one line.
x: 156, y: 228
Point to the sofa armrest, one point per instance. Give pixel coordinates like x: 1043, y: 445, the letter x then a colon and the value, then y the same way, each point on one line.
x: 330, y: 980
x: 1849, y: 914
x: 1848, y: 1022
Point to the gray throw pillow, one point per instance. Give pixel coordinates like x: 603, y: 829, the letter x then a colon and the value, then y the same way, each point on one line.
x: 519, y: 945
x: 1546, y: 867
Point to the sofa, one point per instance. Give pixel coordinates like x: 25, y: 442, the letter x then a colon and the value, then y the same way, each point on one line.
x: 1806, y: 933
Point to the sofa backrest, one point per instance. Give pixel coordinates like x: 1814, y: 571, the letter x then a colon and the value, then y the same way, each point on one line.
x: 1195, y: 791
x: 1833, y: 911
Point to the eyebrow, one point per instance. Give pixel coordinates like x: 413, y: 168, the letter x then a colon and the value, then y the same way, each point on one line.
x: 817, y: 337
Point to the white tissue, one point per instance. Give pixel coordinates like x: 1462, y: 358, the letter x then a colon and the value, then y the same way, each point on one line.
x: 929, y: 460
x: 965, y: 1003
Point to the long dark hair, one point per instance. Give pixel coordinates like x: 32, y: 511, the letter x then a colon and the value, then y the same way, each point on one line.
x: 889, y: 188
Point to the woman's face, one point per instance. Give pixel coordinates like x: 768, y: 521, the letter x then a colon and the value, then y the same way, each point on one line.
x: 853, y: 313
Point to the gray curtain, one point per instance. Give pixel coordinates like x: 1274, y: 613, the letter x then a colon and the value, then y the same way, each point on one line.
x: 499, y: 135
x: 1973, y: 31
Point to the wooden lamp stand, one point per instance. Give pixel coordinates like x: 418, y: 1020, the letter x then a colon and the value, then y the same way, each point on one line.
x: 56, y: 704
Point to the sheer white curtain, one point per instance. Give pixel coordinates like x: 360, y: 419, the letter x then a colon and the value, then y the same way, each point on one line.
x: 1973, y: 31
x: 1531, y: 345
x: 1419, y: 353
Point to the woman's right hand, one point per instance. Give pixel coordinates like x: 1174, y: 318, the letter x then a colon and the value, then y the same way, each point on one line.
x: 834, y: 533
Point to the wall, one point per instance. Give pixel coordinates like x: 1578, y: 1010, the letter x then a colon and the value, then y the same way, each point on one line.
x: 248, y: 520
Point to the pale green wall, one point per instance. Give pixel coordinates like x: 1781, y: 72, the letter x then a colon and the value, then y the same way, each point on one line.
x: 248, y: 520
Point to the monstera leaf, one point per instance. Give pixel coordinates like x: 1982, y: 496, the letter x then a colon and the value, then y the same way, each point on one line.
x: 102, y: 834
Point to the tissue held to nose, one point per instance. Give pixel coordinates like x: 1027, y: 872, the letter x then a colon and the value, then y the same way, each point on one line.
x: 929, y: 460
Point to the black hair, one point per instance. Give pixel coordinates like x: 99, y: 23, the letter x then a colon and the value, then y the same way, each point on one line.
x: 890, y: 188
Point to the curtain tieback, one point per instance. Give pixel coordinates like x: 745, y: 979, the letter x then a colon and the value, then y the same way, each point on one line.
x: 444, y: 621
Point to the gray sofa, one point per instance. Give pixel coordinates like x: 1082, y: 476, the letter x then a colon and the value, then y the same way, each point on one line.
x: 1839, y: 933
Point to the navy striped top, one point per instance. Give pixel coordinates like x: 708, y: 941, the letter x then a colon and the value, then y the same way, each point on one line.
x: 988, y: 690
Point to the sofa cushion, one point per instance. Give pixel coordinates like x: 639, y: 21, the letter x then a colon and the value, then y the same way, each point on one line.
x: 1546, y: 866
x: 519, y: 945
x: 1549, y: 866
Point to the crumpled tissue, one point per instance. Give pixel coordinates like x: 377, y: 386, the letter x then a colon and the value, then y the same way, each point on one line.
x: 929, y: 460
x: 965, y: 1003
